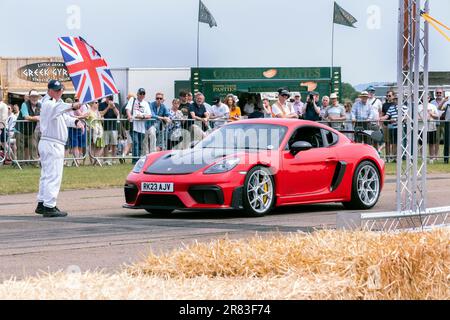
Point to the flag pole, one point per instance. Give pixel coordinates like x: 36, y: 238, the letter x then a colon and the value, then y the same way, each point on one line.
x: 198, y: 36
x: 332, y: 53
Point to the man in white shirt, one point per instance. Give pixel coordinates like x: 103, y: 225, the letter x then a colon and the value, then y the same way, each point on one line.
x: 54, y: 122
x: 298, y: 105
x: 138, y: 112
x: 432, y: 116
x: 219, y: 113
x: 283, y: 110
x: 441, y: 102
x: 377, y: 105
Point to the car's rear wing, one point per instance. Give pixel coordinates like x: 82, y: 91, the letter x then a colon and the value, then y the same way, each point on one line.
x: 375, y: 135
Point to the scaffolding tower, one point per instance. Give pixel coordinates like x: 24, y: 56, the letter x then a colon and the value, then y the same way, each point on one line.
x: 412, y: 80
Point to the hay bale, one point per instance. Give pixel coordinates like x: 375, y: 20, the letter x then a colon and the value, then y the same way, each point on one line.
x: 323, y: 265
x: 379, y: 265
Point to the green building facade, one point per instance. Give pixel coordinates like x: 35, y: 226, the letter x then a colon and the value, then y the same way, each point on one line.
x: 214, y: 82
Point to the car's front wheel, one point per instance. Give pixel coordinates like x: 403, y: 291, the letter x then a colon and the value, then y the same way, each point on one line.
x: 259, y: 192
x: 159, y: 212
x: 365, y: 187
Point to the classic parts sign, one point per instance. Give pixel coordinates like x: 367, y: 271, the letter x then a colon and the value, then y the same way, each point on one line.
x: 44, y: 72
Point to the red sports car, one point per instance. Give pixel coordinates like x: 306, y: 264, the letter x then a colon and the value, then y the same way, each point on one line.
x: 256, y: 165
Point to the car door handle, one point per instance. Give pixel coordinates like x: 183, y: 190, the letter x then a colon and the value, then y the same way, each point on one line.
x: 330, y: 160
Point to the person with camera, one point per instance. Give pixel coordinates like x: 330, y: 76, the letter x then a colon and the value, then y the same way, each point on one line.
x: 110, y: 113
x: 267, y: 108
x: 311, y: 111
x: 219, y: 113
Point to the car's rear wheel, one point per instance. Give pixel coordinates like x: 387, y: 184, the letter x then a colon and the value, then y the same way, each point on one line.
x: 259, y: 192
x: 365, y: 187
x: 159, y: 212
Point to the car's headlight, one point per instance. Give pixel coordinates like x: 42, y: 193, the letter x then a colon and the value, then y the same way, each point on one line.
x: 224, y: 165
x: 139, y: 165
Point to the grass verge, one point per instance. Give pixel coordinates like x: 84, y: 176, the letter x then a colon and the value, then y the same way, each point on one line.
x: 322, y: 265
x: 13, y: 181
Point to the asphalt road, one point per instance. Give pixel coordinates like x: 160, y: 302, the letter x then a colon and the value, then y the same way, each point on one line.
x: 100, y: 235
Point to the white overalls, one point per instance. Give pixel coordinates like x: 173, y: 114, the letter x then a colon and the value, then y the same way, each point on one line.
x: 54, y: 122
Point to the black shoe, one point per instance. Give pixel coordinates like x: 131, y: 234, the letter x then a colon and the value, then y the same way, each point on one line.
x: 53, y: 213
x: 40, y: 208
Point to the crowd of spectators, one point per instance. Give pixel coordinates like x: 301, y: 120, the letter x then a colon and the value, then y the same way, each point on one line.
x: 142, y: 126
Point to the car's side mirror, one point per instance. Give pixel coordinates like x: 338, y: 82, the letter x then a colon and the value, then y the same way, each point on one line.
x: 300, y: 146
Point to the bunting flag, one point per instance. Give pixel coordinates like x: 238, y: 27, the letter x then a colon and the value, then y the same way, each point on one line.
x: 343, y: 17
x: 205, y: 16
x: 435, y: 24
x: 89, y: 72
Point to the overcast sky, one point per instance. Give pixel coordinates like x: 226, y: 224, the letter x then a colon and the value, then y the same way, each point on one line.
x: 253, y: 33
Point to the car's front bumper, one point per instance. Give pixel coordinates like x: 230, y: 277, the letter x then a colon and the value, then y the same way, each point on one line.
x: 194, y: 191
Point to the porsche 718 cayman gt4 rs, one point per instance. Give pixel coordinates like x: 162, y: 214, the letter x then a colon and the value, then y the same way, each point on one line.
x: 256, y: 165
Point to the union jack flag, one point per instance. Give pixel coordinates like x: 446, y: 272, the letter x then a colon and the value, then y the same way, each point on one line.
x: 89, y: 72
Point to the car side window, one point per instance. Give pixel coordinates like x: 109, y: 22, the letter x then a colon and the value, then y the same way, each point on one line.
x: 308, y: 134
x: 330, y: 137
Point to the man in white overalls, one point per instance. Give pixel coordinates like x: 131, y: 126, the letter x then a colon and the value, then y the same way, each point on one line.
x: 54, y: 123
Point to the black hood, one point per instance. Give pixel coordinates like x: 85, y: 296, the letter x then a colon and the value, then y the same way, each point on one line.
x: 187, y: 161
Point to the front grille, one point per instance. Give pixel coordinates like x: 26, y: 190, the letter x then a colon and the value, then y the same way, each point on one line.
x: 207, y: 195
x: 156, y: 200
x: 131, y: 192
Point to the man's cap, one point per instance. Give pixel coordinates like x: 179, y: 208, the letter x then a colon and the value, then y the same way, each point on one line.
x: 34, y: 93
x: 285, y: 92
x: 281, y: 89
x: 55, y: 85
x: 141, y: 91
x: 364, y: 94
x: 111, y: 98
x: 298, y: 95
x: 216, y: 100
x: 333, y: 96
x: 314, y: 93
x: 371, y: 89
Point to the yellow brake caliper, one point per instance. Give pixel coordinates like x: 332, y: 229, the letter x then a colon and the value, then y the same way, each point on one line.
x: 266, y: 189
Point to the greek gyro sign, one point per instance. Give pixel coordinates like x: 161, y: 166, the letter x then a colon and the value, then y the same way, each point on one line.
x: 44, y: 72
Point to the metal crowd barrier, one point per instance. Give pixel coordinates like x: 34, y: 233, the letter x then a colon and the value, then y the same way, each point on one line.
x: 23, y: 142
x: 115, y: 144
x: 27, y: 136
x: 110, y: 141
x: 387, y: 147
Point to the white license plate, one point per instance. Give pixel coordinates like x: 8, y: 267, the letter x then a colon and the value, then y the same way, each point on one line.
x: 157, y: 187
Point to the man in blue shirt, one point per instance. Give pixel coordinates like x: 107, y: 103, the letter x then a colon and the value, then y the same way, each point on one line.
x: 362, y: 110
x: 362, y: 113
x: 160, y: 117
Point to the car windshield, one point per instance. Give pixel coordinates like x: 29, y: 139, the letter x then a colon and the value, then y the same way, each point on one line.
x: 245, y: 136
